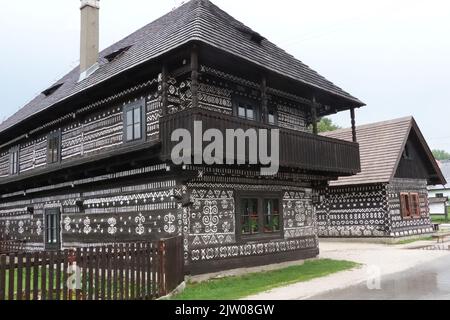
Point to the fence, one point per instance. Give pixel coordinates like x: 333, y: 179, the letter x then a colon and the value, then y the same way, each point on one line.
x: 132, y: 271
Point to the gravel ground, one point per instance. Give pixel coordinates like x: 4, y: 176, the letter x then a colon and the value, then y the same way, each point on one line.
x: 378, y: 261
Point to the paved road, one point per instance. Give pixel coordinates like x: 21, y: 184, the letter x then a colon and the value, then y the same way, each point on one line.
x: 427, y: 281
x: 388, y: 261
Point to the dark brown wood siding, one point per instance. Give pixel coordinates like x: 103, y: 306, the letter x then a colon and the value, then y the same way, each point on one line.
x: 414, y: 164
x: 297, y: 149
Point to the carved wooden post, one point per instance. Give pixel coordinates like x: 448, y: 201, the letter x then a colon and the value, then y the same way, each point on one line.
x: 265, y: 112
x: 352, y: 114
x: 194, y: 76
x: 314, y: 115
x: 164, y: 89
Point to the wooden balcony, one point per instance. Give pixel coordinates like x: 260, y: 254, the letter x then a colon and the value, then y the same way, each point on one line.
x: 297, y: 149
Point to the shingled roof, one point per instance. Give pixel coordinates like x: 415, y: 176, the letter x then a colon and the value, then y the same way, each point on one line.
x: 381, y: 147
x: 445, y: 168
x: 197, y: 20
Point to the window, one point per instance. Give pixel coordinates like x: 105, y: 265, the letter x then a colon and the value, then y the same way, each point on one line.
x: 271, y: 117
x: 116, y: 54
x: 407, y: 152
x: 254, y: 36
x: 415, y: 204
x: 48, y: 92
x: 246, y: 111
x: 52, y: 228
x: 14, y: 161
x: 410, y: 205
x: 439, y: 195
x: 259, y: 216
x: 245, y: 108
x: 134, y: 121
x: 271, y: 215
x: 404, y: 203
x: 53, y: 147
x: 249, y: 217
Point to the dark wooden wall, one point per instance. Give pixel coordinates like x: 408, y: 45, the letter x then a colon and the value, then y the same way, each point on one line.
x: 407, y: 227
x: 144, y: 203
x: 372, y: 210
x: 416, y: 166
x: 139, y: 207
x: 354, y: 211
x: 211, y: 234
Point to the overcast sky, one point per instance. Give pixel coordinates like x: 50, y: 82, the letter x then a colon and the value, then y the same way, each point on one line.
x: 393, y: 55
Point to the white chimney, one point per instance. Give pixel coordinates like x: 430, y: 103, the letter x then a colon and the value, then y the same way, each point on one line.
x: 89, y: 46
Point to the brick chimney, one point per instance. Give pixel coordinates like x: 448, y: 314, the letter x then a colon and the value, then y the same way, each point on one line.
x: 89, y: 46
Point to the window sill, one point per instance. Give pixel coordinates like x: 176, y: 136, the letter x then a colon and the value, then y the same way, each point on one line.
x: 260, y: 237
x: 411, y: 218
x: 52, y: 247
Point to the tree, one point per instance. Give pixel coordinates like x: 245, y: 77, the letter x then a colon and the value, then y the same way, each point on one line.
x: 441, y: 155
x: 326, y: 124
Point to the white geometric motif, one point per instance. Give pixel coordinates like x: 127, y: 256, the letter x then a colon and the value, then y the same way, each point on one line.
x: 39, y: 227
x: 21, y: 230
x: 140, y: 219
x: 170, y: 227
x: 87, y: 225
x: 112, y: 222
x: 67, y: 222
x: 226, y: 227
x: 210, y: 218
x: 197, y: 228
x: 7, y: 224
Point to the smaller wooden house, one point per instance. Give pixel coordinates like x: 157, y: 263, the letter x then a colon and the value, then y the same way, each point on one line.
x: 440, y: 194
x: 438, y: 206
x: 389, y: 197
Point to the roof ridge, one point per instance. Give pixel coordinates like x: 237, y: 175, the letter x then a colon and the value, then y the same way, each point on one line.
x: 195, y: 20
x: 229, y: 19
x: 370, y: 125
x: 381, y: 146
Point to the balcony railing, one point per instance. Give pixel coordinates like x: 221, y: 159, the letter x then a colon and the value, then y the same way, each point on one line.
x: 297, y: 149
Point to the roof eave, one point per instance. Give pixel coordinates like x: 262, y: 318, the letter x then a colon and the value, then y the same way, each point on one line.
x: 358, y: 103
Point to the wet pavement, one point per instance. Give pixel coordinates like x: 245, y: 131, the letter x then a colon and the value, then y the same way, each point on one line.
x: 428, y: 281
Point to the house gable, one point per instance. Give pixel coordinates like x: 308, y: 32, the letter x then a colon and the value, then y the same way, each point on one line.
x: 414, y: 164
x: 416, y: 160
x: 382, y: 147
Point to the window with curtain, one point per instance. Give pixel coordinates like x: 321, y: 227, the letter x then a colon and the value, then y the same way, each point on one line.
x: 259, y: 215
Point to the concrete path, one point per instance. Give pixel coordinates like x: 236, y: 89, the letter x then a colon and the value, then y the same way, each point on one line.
x: 378, y: 260
x: 427, y: 281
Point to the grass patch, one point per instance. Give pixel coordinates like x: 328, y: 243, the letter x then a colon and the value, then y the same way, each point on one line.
x: 232, y: 288
x: 51, y: 292
x: 31, y: 282
x: 408, y: 241
x: 439, y: 219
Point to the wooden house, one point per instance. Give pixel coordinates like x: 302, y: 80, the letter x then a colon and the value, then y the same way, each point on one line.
x: 438, y: 206
x: 388, y: 198
x: 88, y: 161
x: 439, y: 194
